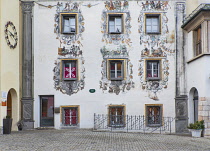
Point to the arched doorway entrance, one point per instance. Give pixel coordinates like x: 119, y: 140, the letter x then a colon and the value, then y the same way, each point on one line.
x: 193, y: 105
x: 13, y: 107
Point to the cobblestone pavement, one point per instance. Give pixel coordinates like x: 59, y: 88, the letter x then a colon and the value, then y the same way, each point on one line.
x: 87, y: 140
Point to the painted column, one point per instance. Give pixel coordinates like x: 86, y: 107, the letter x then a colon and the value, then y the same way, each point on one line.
x: 181, y: 97
x: 27, y: 67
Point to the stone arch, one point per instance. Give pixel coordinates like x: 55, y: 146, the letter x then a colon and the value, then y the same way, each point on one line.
x: 13, y: 107
x: 193, y: 105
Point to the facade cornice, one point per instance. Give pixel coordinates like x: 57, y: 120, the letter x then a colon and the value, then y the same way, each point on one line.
x: 201, y: 13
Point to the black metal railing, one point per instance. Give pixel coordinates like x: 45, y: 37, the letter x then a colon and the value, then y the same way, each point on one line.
x: 128, y: 123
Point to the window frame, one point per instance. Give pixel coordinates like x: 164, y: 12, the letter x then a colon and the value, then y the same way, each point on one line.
x: 123, y: 115
x: 62, y: 115
x: 122, y: 22
x: 62, y: 15
x: 159, y: 69
x: 123, y: 61
x: 63, y: 61
x: 152, y: 15
x: 197, y: 43
x: 160, y: 118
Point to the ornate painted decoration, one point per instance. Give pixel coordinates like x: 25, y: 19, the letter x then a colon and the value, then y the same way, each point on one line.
x: 69, y: 7
x: 69, y: 87
x: 116, y: 7
x: 70, y: 48
x: 116, y: 86
x: 11, y: 35
x: 155, y: 5
x: 156, y: 46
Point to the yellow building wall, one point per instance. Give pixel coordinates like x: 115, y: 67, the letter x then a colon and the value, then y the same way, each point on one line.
x: 9, y: 60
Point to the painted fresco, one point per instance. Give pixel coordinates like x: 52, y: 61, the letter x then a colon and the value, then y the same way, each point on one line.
x: 156, y: 46
x: 116, y: 48
x: 69, y: 7
x: 70, y: 48
x: 116, y: 7
x: 69, y: 87
x: 116, y: 86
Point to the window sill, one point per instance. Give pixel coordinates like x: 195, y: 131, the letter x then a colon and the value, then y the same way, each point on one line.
x: 196, y: 57
x: 153, y: 33
x: 69, y: 127
x: 153, y: 79
x: 69, y: 79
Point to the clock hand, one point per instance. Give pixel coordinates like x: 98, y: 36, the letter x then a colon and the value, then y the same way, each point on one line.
x: 11, y: 34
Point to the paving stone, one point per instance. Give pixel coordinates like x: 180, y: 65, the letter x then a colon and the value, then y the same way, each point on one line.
x: 87, y: 140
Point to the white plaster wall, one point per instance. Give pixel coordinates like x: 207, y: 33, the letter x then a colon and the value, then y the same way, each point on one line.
x: 45, y: 53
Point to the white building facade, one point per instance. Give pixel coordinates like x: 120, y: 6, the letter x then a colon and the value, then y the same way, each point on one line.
x: 105, y: 57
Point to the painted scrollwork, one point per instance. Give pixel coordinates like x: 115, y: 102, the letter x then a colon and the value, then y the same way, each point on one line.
x: 69, y: 7
x: 155, y: 5
x: 69, y: 87
x: 155, y: 85
x: 156, y: 46
x: 116, y: 7
x: 116, y: 86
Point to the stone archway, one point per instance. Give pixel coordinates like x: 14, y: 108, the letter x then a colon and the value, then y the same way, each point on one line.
x: 193, y: 105
x: 13, y: 107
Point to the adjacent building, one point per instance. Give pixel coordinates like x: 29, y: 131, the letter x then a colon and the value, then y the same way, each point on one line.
x: 10, y: 61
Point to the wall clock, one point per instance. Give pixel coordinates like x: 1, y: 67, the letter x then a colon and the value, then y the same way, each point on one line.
x: 11, y: 35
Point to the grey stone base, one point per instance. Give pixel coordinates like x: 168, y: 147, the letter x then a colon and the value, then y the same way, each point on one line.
x: 181, y: 122
x: 28, y: 125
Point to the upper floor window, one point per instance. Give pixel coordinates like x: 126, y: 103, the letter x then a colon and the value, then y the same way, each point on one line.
x: 69, y: 69
x: 152, y: 23
x: 153, y: 69
x: 116, y: 69
x: 198, y: 48
x: 68, y: 23
x: 115, y: 24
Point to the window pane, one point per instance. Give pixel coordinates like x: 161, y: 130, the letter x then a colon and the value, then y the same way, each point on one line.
x: 155, y: 29
x: 155, y: 21
x: 149, y: 21
x: 70, y: 70
x: 149, y: 73
x: 66, y: 27
x: 70, y: 116
x: 153, y: 115
x: 111, y: 29
x: 149, y: 28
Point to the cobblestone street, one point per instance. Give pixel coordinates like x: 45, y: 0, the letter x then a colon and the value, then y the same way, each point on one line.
x: 81, y: 140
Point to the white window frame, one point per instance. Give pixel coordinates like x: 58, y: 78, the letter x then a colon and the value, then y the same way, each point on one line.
x: 68, y: 15
x: 115, y: 16
x: 156, y: 17
x: 152, y: 70
x: 122, y: 61
x: 64, y: 61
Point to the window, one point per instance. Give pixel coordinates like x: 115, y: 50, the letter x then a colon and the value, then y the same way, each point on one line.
x: 153, y: 70
x: 154, y: 115
x: 70, y: 116
x: 116, y: 116
x: 198, y: 49
x: 152, y: 23
x: 115, y: 24
x: 69, y: 69
x: 116, y: 69
x: 68, y: 23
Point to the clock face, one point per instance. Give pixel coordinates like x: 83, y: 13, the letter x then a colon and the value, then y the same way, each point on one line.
x: 11, y: 35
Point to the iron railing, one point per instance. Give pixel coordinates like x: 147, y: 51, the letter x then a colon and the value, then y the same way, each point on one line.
x: 129, y: 123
